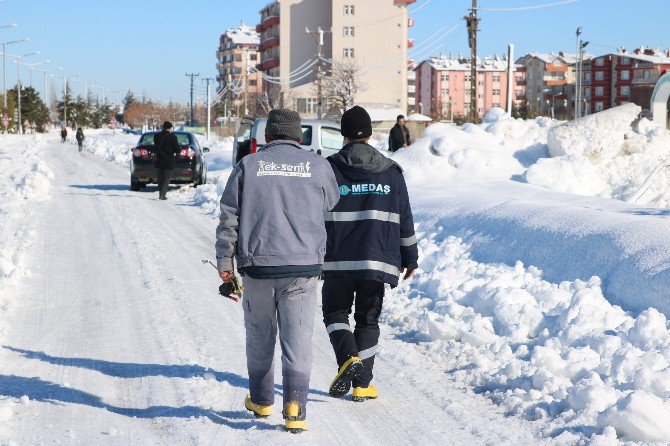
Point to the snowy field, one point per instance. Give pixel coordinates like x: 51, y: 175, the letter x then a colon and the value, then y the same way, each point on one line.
x: 537, y: 316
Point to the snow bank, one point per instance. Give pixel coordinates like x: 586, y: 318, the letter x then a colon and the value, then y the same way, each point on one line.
x: 110, y: 146
x: 558, y: 353
x: 25, y: 184
x: 499, y: 149
x: 219, y: 165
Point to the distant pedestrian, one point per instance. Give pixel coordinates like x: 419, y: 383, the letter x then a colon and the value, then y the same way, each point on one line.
x: 167, y: 147
x: 80, y: 138
x: 63, y: 134
x: 399, y: 136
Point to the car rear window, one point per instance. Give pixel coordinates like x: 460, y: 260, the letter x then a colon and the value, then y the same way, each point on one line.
x: 259, y: 133
x: 148, y: 139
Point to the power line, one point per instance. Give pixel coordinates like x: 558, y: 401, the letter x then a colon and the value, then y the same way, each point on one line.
x: 192, y: 76
x: 525, y: 8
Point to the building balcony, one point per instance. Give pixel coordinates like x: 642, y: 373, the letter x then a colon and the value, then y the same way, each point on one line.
x: 410, y: 43
x: 267, y: 22
x: 267, y: 64
x: 269, y: 43
x: 410, y: 22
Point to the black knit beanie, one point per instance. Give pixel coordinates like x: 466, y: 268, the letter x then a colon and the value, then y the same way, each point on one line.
x: 356, y: 123
x: 167, y: 125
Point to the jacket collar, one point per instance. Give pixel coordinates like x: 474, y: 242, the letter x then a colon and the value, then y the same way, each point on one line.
x: 280, y: 142
x: 362, y: 156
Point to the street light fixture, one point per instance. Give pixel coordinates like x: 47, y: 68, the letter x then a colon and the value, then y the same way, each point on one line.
x: 11, y: 25
x: 4, y: 63
x: 33, y: 65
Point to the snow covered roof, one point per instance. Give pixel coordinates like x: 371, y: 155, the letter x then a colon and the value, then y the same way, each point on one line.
x: 418, y: 117
x: 646, y: 54
x: 243, y: 35
x: 488, y: 63
x: 383, y: 114
x: 551, y: 56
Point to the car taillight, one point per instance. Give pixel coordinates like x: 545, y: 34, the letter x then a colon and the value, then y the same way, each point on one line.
x: 187, y: 152
x: 254, y: 145
x: 141, y: 153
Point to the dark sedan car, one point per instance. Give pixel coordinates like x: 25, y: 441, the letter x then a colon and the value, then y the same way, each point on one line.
x: 189, y: 163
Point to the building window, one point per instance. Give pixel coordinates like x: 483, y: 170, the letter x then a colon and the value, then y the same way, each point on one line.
x: 600, y: 61
x: 625, y: 91
x: 599, y: 106
x: 445, y: 78
x: 348, y: 31
x: 348, y: 52
x: 625, y: 61
x: 253, y: 57
x: 519, y: 93
x: 539, y: 89
x: 238, y: 58
x: 496, y: 92
x: 587, y: 93
x: 445, y: 92
x: 252, y: 82
x: 600, y: 91
x: 468, y: 78
x: 625, y: 75
x: 496, y: 78
x: 306, y: 105
x: 587, y: 76
x: 600, y: 75
x: 558, y: 63
x: 348, y: 9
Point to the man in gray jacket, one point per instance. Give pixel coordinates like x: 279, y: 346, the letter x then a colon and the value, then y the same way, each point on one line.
x: 272, y: 221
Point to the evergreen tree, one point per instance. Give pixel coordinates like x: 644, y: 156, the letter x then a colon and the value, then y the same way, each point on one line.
x: 128, y: 99
x: 33, y: 108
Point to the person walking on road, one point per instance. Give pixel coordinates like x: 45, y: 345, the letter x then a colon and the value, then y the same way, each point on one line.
x: 371, y: 241
x: 399, y: 136
x: 63, y: 134
x: 80, y: 138
x: 272, y: 221
x: 167, y: 147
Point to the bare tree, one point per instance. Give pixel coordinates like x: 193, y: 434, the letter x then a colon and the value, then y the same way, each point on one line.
x: 342, y: 84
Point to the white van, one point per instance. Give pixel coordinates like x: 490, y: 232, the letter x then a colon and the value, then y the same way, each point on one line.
x: 322, y: 137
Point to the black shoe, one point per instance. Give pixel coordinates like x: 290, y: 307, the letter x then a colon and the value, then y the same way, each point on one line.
x: 347, y: 373
x: 162, y: 198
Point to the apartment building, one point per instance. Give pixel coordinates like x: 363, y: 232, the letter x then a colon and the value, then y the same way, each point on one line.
x: 621, y: 77
x: 547, y: 77
x: 236, y: 55
x: 443, y: 85
x: 373, y: 35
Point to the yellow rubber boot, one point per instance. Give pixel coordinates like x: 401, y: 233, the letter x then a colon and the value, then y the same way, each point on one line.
x: 258, y: 410
x: 342, y: 382
x: 291, y: 414
x: 365, y: 393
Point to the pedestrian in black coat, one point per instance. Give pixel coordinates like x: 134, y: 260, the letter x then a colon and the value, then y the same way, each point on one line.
x: 63, y: 134
x: 80, y: 138
x: 399, y: 136
x: 167, y: 147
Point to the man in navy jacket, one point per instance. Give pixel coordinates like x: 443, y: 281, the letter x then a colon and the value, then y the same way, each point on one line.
x: 371, y: 241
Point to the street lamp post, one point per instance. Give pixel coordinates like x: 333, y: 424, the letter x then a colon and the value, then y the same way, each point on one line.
x: 553, y: 101
x: 579, y: 77
x: 4, y: 65
x: 46, y: 90
x: 65, y: 94
x: 19, y: 123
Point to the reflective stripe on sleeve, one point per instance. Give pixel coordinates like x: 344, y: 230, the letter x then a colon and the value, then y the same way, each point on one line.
x: 408, y: 241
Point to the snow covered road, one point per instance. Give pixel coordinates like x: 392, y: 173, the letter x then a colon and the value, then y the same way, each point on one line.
x: 119, y: 337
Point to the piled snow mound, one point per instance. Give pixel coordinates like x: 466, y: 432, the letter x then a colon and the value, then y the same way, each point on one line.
x: 602, y: 155
x: 110, y: 146
x: 495, y: 114
x: 219, y: 166
x: 597, y: 136
x: 498, y: 149
x: 33, y: 182
x: 560, y: 354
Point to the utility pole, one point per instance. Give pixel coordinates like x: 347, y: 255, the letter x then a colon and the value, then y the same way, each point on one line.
x: 511, y: 73
x: 472, y: 23
x: 319, y: 68
x: 209, y: 106
x: 578, y: 83
x: 192, y: 76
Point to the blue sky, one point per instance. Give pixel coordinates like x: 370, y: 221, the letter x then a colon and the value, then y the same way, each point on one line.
x: 149, y: 45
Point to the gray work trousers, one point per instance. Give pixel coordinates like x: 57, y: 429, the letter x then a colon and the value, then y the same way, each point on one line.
x: 286, y: 306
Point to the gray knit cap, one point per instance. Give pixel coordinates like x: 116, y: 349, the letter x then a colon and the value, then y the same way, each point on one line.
x: 283, y: 122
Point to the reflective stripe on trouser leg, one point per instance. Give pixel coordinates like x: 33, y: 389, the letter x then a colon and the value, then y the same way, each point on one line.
x: 296, y: 302
x: 338, y: 298
x: 260, y: 323
x: 369, y: 299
